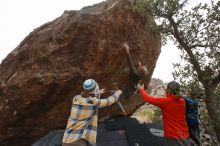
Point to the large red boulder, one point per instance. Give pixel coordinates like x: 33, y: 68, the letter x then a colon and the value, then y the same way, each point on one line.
x: 40, y: 76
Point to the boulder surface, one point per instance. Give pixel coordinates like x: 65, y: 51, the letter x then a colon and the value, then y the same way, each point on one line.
x: 42, y: 74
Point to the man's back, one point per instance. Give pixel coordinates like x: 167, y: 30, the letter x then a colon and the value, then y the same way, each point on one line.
x: 174, y: 118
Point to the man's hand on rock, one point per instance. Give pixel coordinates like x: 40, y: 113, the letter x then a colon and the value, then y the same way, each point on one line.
x: 126, y: 47
x: 118, y: 93
x: 102, y: 91
x: 140, y: 86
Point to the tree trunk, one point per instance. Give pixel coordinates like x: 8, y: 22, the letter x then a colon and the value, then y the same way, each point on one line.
x: 213, y: 107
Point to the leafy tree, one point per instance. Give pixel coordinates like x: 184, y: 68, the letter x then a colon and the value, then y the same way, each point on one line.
x: 196, y: 32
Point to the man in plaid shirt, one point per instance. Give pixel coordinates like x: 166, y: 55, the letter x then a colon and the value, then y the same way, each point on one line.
x: 81, y: 129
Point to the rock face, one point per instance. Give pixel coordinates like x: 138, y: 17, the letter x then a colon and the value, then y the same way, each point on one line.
x: 149, y: 113
x: 40, y: 77
x: 157, y: 87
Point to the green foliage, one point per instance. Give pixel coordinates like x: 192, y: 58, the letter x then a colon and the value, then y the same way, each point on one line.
x: 201, y: 38
x: 141, y: 7
x: 151, y: 26
x: 196, y: 32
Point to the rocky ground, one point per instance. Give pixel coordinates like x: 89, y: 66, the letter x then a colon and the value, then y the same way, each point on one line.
x: 207, y: 134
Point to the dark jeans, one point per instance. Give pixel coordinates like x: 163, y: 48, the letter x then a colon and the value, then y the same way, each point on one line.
x: 194, y: 133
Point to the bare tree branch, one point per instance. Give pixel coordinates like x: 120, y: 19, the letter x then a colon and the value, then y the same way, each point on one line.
x: 198, y: 45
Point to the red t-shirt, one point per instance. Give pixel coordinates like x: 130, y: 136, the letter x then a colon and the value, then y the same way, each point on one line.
x: 174, y: 114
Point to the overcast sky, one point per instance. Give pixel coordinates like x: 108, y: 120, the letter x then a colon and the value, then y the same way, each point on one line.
x: 19, y: 17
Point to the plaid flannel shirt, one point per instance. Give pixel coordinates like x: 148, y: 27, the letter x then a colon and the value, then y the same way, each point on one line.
x: 82, y: 122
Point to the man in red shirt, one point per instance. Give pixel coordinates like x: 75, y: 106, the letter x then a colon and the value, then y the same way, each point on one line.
x: 174, y: 114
